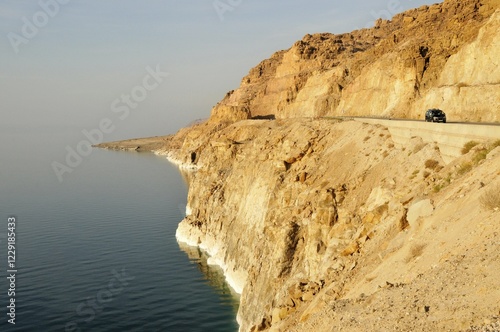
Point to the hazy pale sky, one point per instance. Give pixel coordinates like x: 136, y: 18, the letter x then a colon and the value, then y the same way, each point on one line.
x: 72, y: 63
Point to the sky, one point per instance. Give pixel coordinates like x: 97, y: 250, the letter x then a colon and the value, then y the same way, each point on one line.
x: 149, y: 66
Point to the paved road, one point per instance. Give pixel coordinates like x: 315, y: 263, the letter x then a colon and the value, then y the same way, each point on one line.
x: 414, y: 120
x: 450, y: 136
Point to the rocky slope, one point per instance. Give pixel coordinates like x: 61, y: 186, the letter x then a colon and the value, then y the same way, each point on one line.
x: 435, y: 56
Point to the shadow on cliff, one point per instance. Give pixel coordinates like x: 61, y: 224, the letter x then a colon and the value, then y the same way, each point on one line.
x: 264, y: 117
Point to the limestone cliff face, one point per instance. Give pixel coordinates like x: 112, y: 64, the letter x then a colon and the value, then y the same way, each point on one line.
x: 433, y: 56
x: 302, y: 214
x: 269, y: 205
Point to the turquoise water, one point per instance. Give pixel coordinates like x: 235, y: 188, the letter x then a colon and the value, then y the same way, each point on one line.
x: 97, y: 251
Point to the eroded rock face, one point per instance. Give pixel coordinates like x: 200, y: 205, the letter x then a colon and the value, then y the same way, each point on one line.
x: 269, y: 210
x: 302, y: 212
x: 437, y: 56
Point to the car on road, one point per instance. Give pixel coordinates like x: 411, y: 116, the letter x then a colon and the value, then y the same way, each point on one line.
x: 435, y: 115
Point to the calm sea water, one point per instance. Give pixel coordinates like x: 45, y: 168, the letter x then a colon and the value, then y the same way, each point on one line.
x: 97, y: 251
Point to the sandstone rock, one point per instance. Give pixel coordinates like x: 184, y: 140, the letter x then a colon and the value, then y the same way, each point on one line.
x: 229, y: 114
x: 308, y: 296
x: 423, y: 208
x: 295, y: 292
x: 277, y: 315
x: 378, y: 197
x: 338, y: 265
x: 302, y: 177
x: 350, y: 249
x: 408, y: 19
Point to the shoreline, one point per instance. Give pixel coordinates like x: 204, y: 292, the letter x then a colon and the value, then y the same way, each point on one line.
x: 215, y: 262
x: 182, y: 234
x: 177, y: 162
x: 212, y: 260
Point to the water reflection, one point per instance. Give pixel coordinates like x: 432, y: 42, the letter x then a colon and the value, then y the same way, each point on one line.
x: 186, y: 175
x: 213, y: 274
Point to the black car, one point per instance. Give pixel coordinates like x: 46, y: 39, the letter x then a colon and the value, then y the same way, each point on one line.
x: 435, y: 115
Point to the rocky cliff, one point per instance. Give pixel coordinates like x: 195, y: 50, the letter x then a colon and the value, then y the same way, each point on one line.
x: 306, y: 216
x: 444, y: 56
x: 318, y: 223
x: 324, y: 224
